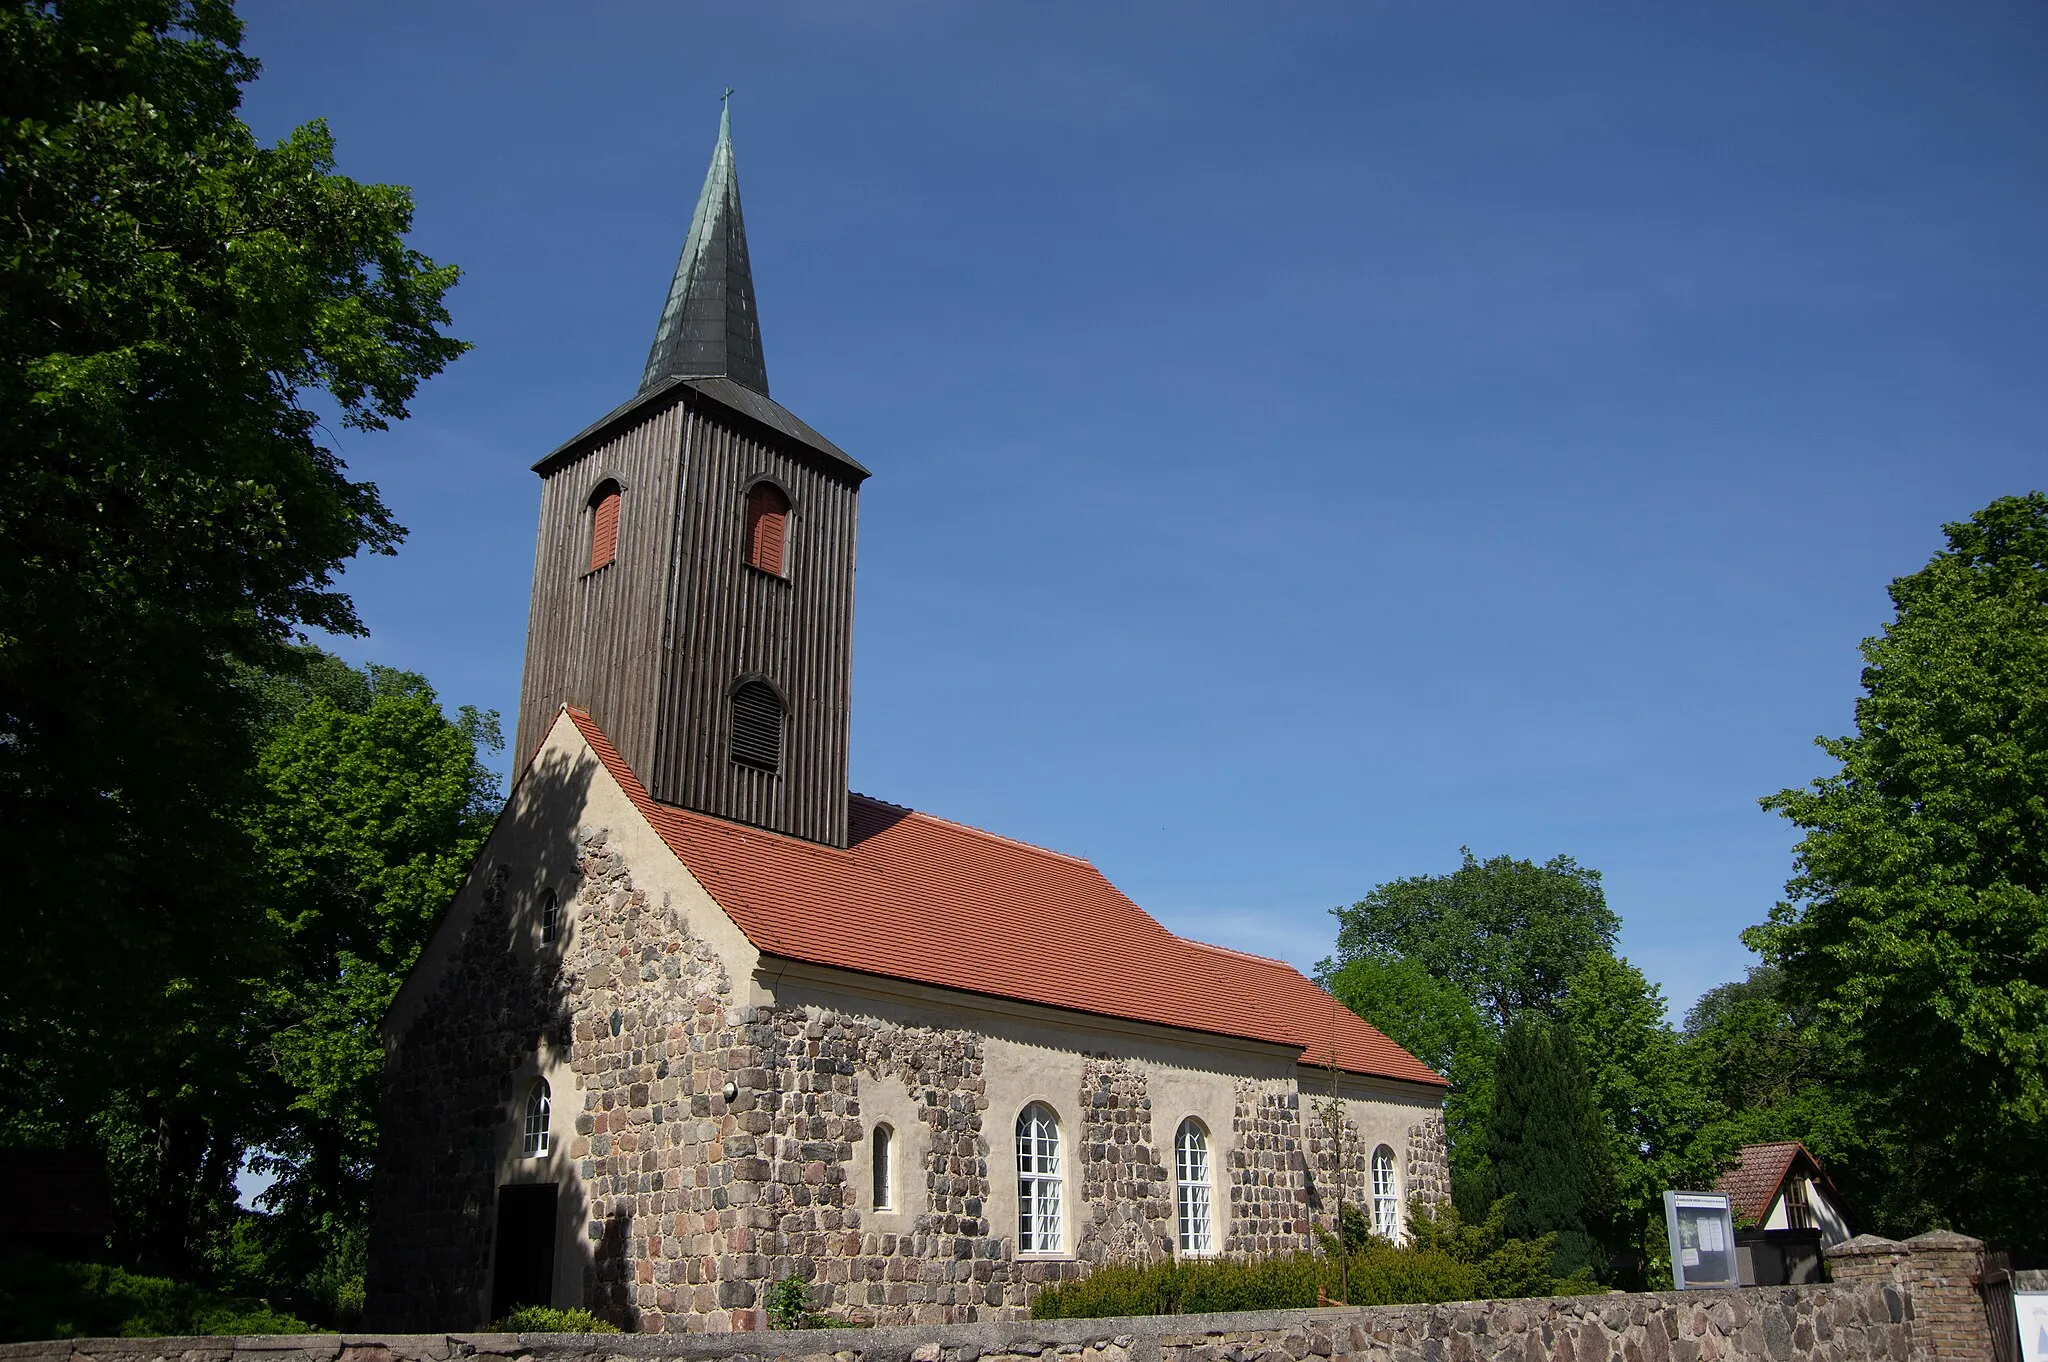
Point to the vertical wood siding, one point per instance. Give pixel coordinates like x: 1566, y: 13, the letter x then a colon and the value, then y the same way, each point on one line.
x: 795, y: 631
x: 654, y: 645
x: 593, y: 638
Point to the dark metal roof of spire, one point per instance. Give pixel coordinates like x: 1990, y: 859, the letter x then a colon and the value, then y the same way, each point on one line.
x: 709, y: 325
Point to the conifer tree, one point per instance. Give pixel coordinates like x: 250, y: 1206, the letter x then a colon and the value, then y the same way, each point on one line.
x: 1547, y: 1147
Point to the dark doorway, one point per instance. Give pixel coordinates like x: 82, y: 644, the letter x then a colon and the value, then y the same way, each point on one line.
x: 525, y: 1272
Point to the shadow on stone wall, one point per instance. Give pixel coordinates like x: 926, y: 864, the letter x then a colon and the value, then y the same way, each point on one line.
x: 493, y: 998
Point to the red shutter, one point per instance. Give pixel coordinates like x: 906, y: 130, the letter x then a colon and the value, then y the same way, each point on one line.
x: 604, y: 530
x: 767, y: 527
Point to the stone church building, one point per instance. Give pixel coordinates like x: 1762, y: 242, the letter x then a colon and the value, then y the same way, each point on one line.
x: 700, y: 1020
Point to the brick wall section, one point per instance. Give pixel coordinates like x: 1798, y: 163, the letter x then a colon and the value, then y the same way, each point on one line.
x: 1843, y: 1322
x: 1936, y: 1275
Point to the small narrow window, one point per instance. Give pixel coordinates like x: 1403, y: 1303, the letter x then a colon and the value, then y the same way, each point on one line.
x: 1798, y: 1210
x: 1038, y: 1181
x: 757, y: 726
x: 535, y: 1143
x: 1191, y: 1167
x: 604, y: 525
x: 550, y: 917
x: 884, y: 1153
x: 767, y: 527
x: 1386, y: 1199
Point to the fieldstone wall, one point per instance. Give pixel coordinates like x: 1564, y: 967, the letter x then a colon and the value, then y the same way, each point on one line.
x: 1427, y: 1171
x: 1864, y: 1321
x: 1126, y: 1183
x: 445, y: 1099
x: 1269, y: 1210
x: 695, y: 1205
x: 1938, y: 1274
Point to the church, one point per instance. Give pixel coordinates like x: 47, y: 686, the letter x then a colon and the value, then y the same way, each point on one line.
x: 700, y: 1020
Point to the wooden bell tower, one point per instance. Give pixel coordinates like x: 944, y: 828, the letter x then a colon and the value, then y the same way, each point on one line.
x: 693, y: 581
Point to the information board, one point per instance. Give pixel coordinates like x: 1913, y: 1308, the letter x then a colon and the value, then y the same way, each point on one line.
x: 2032, y: 1308
x: 1702, y: 1233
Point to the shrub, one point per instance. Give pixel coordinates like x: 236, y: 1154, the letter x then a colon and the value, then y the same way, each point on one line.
x: 545, y: 1319
x: 41, y: 1299
x: 1447, y: 1259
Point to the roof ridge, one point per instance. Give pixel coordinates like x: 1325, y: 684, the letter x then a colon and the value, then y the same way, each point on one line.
x: 1246, y: 955
x: 978, y: 832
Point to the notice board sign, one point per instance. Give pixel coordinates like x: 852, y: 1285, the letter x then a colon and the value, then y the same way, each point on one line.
x: 1702, y: 1233
x: 2032, y: 1308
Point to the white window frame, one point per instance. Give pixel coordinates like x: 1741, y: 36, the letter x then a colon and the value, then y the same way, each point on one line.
x: 1386, y: 1195
x: 535, y: 1137
x: 550, y: 917
x: 882, y: 1166
x: 1194, y: 1191
x: 1041, y: 1224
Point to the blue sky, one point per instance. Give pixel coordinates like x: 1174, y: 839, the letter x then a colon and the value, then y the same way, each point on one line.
x: 1307, y: 438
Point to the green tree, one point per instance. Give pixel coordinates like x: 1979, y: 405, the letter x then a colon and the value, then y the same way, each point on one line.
x: 375, y: 806
x: 1773, y: 1074
x: 176, y: 304
x: 1508, y: 933
x: 1655, y: 1101
x: 1916, y: 928
x: 1434, y: 1021
x: 1547, y: 1147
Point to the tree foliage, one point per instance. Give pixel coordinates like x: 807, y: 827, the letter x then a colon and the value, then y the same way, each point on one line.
x: 177, y: 305
x: 1508, y: 933
x: 1915, y: 929
x: 374, y: 806
x: 1434, y: 1021
x: 1548, y: 1150
x: 1655, y: 1103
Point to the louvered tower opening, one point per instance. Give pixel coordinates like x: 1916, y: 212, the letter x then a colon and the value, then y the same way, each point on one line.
x: 757, y: 726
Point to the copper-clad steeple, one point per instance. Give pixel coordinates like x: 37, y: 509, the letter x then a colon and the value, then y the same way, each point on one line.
x: 709, y: 326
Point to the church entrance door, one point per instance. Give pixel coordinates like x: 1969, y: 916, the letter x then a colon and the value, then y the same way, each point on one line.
x: 525, y: 1271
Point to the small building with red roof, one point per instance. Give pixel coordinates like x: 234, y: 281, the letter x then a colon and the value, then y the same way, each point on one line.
x: 1781, y: 1186
x: 701, y: 1020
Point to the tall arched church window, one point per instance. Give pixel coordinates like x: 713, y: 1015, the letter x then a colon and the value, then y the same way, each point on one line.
x: 604, y: 525
x: 767, y: 527
x: 535, y: 1141
x: 1386, y: 1196
x: 757, y: 720
x: 884, y: 1154
x: 1195, y: 1199
x: 1038, y: 1181
x: 550, y: 917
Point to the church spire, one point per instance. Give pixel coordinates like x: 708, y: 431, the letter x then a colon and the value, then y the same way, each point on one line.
x: 709, y: 325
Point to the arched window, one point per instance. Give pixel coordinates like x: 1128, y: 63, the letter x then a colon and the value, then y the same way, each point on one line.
x: 604, y: 525
x: 884, y: 1154
x: 1386, y: 1197
x: 757, y: 726
x: 767, y: 527
x: 1038, y: 1181
x: 1191, y: 1169
x: 550, y: 917
x: 535, y: 1142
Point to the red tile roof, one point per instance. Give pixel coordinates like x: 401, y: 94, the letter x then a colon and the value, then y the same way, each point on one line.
x: 919, y: 898
x: 1753, y: 1183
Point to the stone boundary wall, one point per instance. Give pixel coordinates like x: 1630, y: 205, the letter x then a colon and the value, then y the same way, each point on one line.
x: 1915, y: 1301
x: 1859, y: 1322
